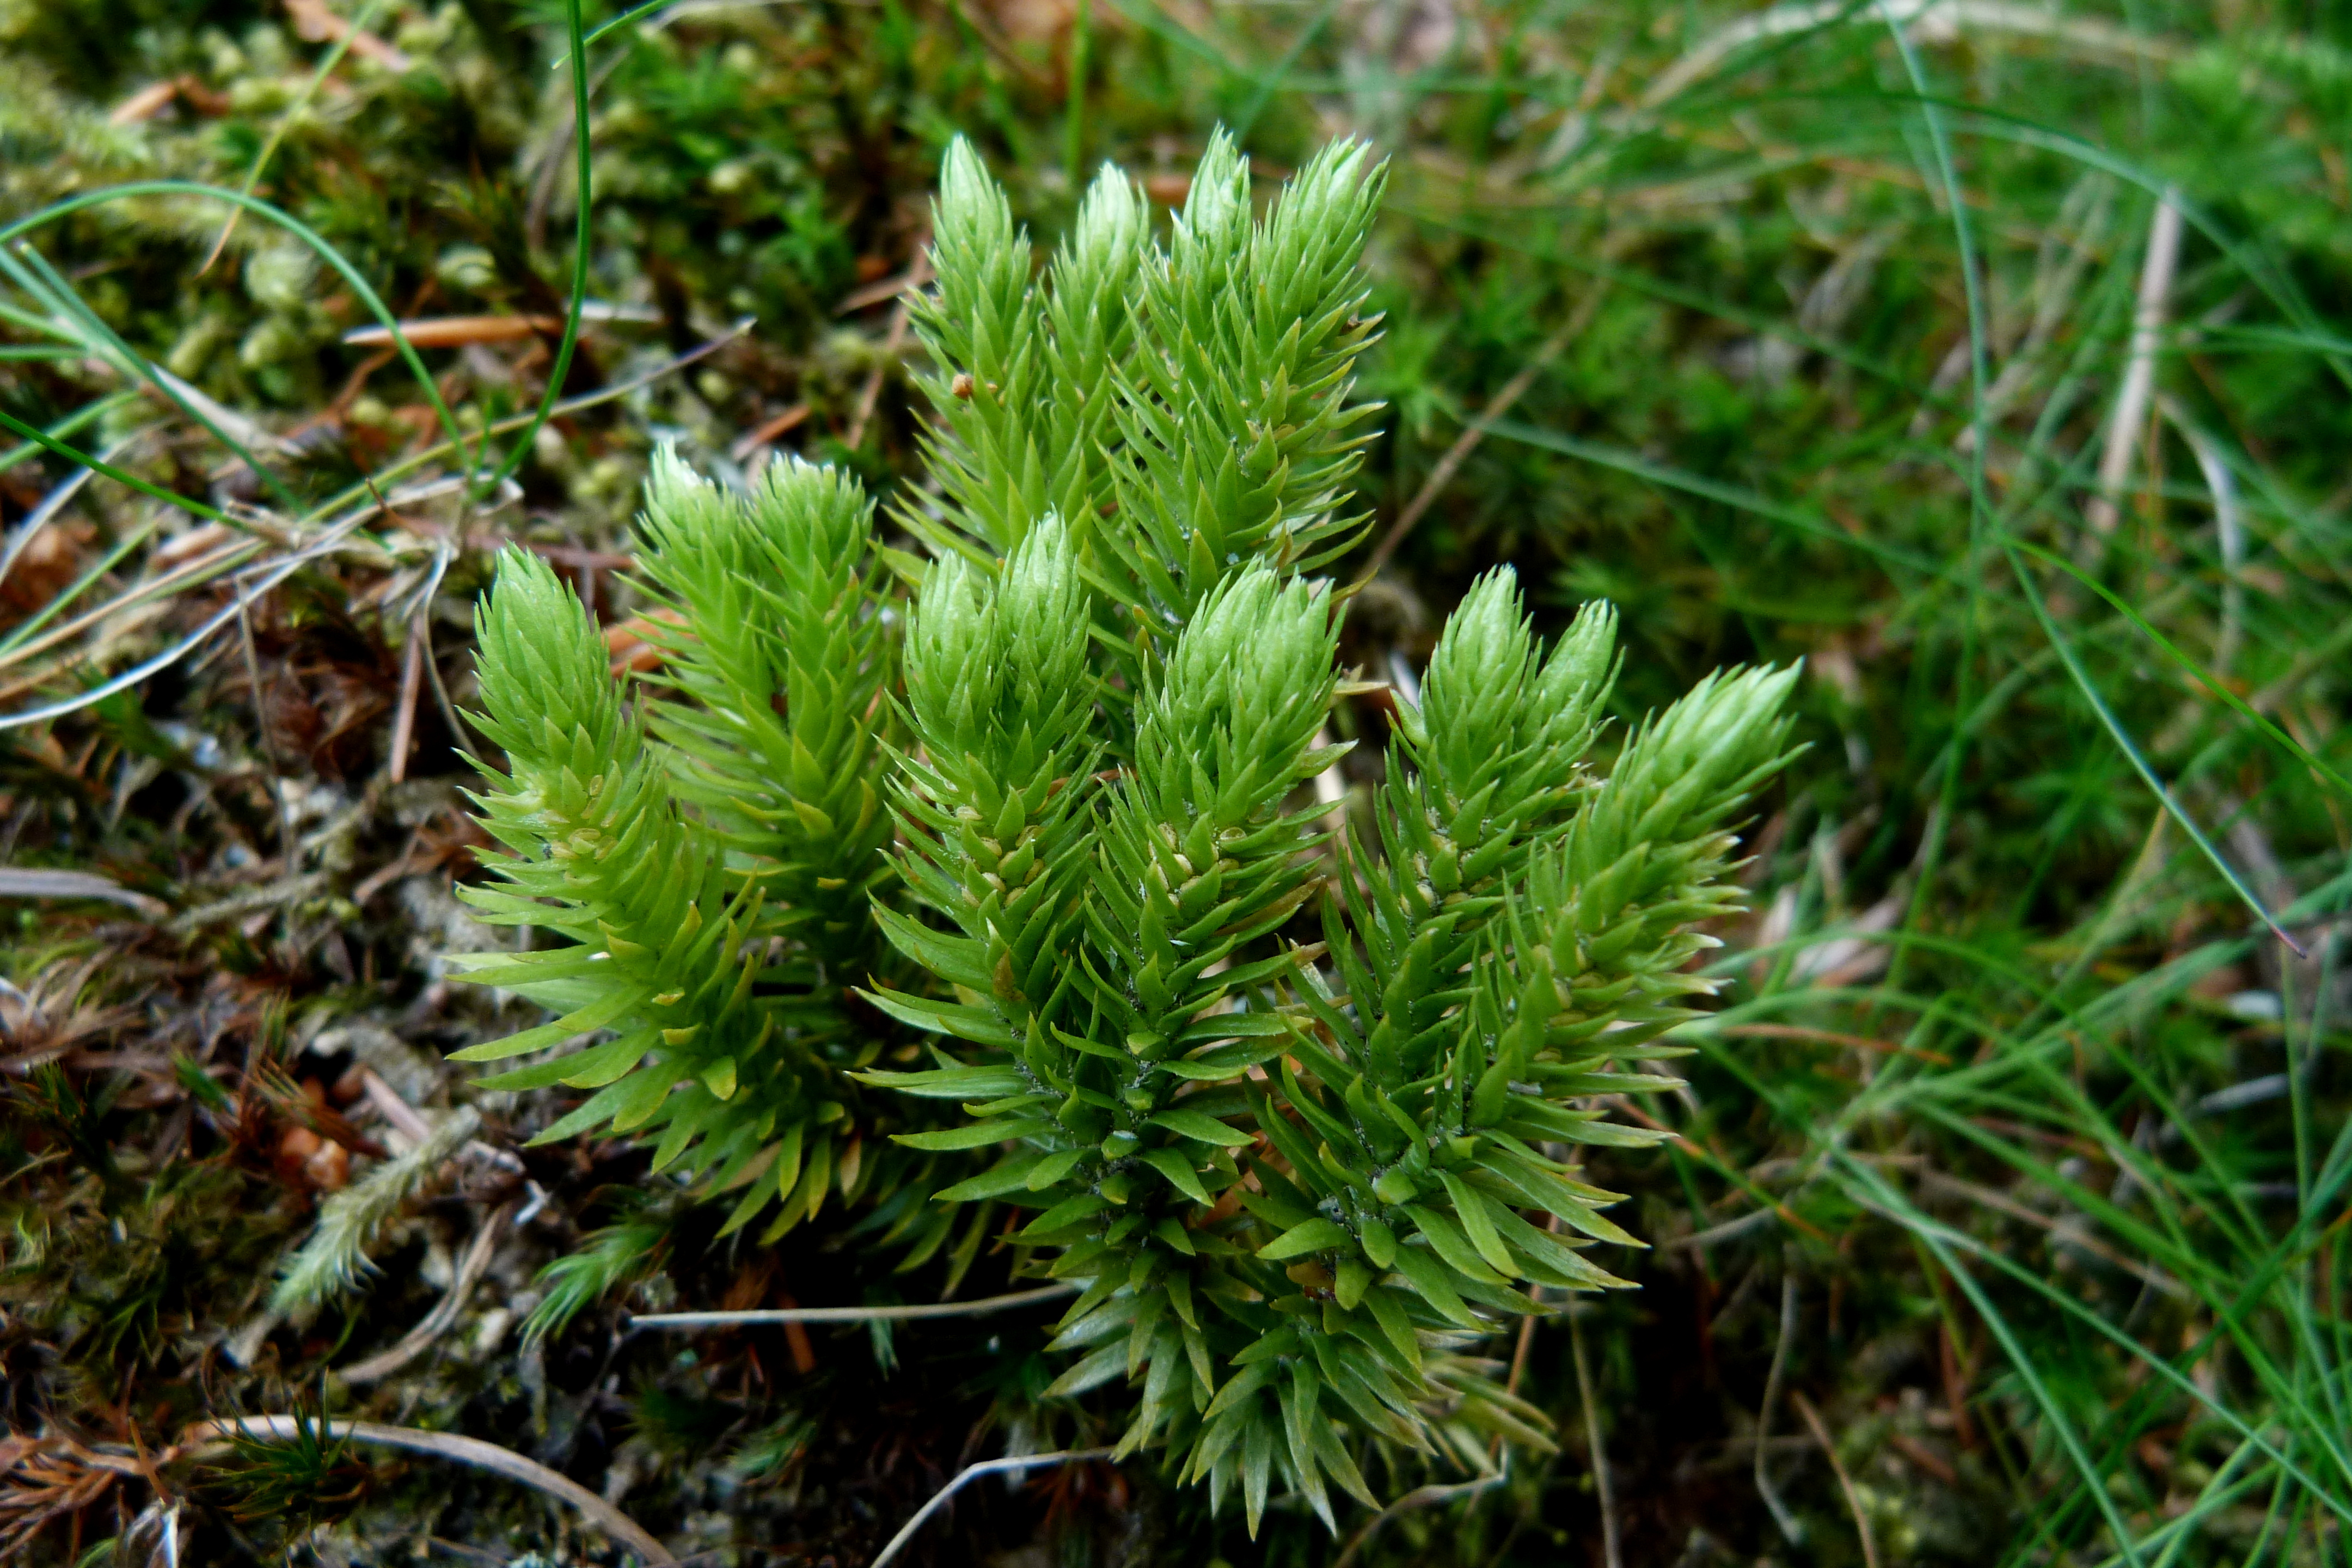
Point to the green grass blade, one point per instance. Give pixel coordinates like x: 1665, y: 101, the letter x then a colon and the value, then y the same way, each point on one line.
x: 2131, y: 751
x: 67, y: 206
x: 2238, y: 704
x: 97, y: 465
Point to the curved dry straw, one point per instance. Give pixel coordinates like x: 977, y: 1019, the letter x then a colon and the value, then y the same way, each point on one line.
x: 907, y: 1531
x: 461, y: 1450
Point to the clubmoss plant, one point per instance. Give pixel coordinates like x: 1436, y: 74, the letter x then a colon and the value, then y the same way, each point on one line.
x: 1293, y: 1178
x: 336, y: 1255
x: 1286, y: 1176
x: 712, y: 858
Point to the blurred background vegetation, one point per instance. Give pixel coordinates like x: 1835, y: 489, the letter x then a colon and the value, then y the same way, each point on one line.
x: 1991, y: 357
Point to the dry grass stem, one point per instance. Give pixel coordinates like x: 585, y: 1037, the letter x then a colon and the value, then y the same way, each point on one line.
x: 1467, y: 442
x: 1023, y: 1462
x: 25, y: 883
x: 847, y: 1314
x: 1791, y: 1527
x: 1612, y: 1554
x: 1418, y: 1498
x: 2125, y: 429
x: 444, y: 1311
x: 1845, y: 1482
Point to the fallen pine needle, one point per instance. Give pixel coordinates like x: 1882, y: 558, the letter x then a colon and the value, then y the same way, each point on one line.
x: 454, y: 331
x: 784, y: 424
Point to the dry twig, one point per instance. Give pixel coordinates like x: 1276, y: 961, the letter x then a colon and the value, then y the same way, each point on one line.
x: 1934, y: 20
x: 412, y: 674
x: 2063, y: 1233
x: 767, y: 432
x: 893, y: 345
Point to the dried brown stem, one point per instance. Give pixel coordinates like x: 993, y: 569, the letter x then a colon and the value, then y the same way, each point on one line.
x: 871, y: 395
